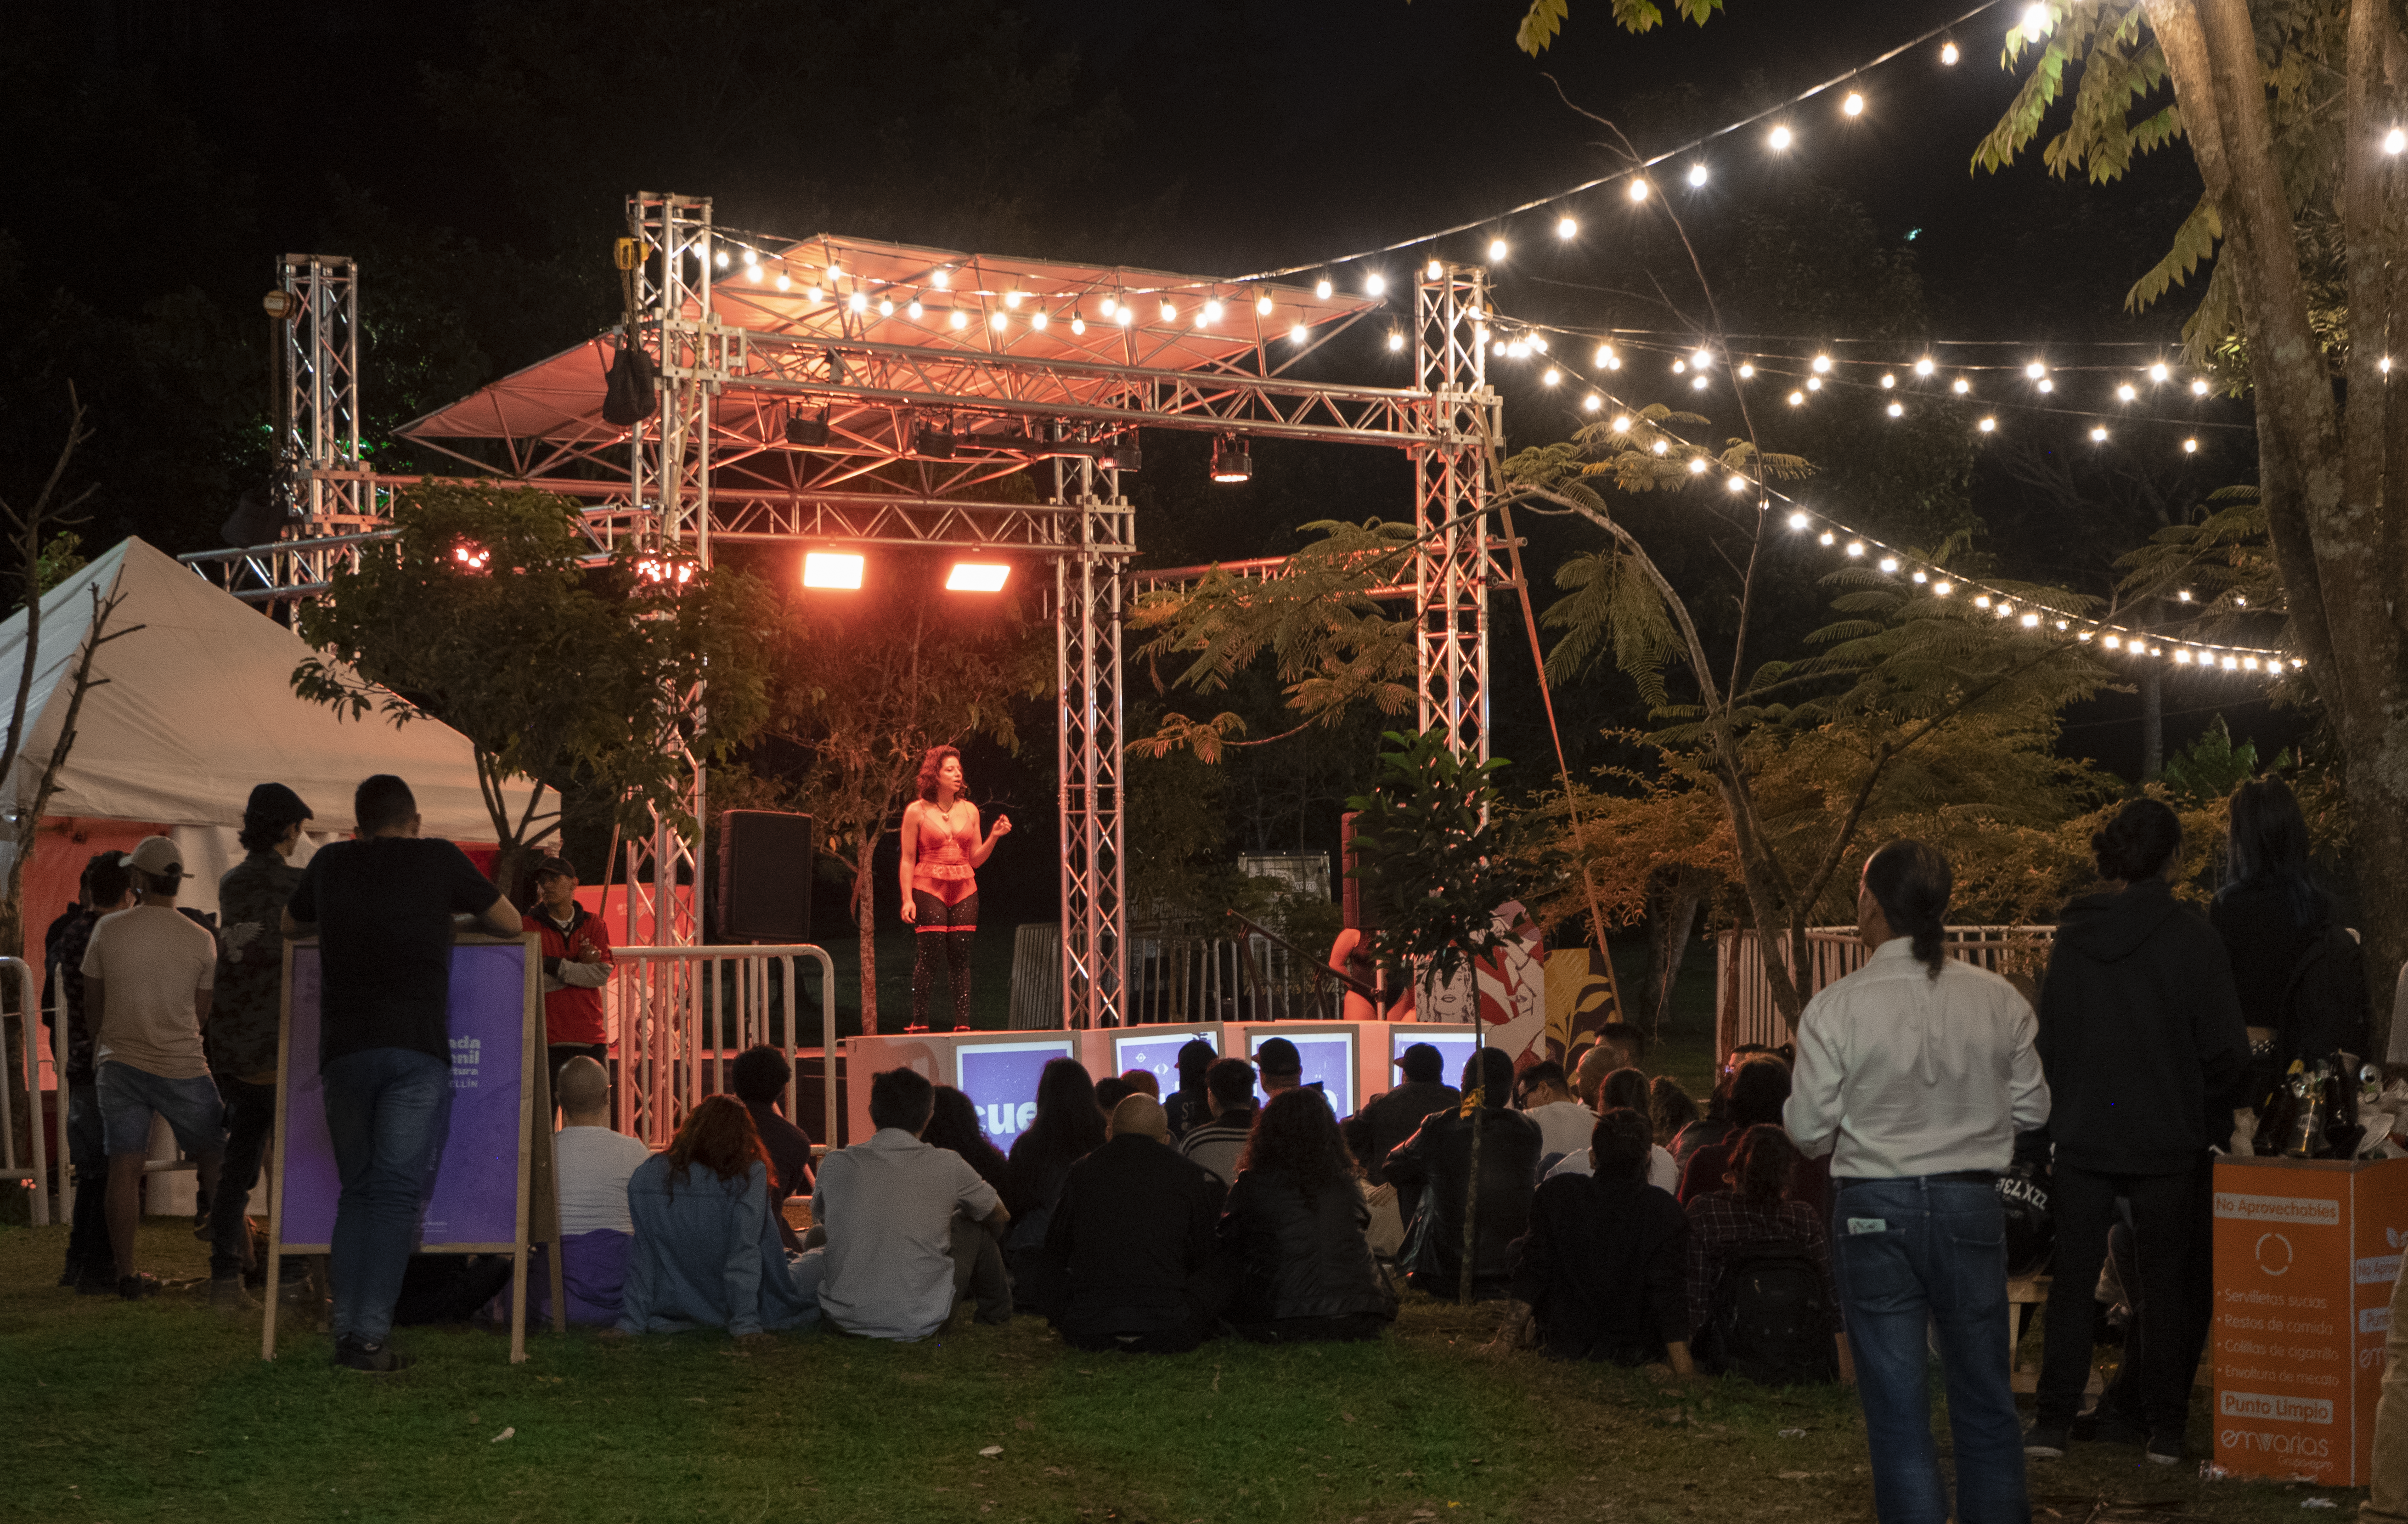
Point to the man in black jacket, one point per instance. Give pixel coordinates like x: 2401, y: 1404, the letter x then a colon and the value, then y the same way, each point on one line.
x: 1391, y: 1119
x: 1133, y: 1239
x: 1437, y: 1162
x: 2141, y: 1038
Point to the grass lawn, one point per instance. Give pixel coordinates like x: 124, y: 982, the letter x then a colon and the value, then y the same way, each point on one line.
x: 162, y: 1411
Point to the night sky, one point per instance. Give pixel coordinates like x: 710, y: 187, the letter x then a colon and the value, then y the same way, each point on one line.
x: 475, y: 157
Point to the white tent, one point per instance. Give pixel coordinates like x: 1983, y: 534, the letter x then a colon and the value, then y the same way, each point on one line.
x: 197, y: 707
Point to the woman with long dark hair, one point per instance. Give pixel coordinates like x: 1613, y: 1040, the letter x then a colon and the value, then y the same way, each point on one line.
x: 1294, y: 1229
x: 1751, y: 1209
x: 706, y: 1250
x: 2301, y: 980
x: 954, y: 1125
x: 943, y: 850
x: 1067, y: 1128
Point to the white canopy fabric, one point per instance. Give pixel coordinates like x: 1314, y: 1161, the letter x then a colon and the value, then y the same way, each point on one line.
x: 198, y: 706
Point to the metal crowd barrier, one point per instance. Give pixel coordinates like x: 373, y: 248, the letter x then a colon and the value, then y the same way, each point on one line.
x: 682, y: 1013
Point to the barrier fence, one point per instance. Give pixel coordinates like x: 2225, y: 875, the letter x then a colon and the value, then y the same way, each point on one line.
x: 679, y: 1015
x: 1744, y: 1008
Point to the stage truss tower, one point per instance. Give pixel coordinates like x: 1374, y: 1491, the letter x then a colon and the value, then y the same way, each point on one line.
x: 1450, y: 573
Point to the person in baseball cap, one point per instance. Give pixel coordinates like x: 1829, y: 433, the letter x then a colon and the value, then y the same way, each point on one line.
x: 1281, y: 1065
x: 157, y: 857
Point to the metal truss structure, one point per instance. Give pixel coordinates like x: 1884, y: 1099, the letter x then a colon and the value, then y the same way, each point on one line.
x: 832, y: 391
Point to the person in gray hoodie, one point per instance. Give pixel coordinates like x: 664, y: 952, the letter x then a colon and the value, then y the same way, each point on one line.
x: 2142, y: 1040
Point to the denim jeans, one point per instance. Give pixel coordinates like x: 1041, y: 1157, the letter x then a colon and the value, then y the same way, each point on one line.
x: 387, y: 1113
x: 88, y: 1247
x: 1929, y: 1253
x: 251, y: 1116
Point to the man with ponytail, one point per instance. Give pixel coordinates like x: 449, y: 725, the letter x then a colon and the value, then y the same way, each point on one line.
x: 2145, y: 1043
x: 1915, y: 1073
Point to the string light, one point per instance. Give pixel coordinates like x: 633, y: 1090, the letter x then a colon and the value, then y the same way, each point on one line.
x: 1779, y: 139
x: 1890, y: 565
x: 811, y: 292
x: 2190, y: 447
x: 961, y: 319
x: 1038, y: 320
x: 1592, y: 402
x: 1661, y: 446
x: 1814, y: 383
x: 2036, y: 20
x: 1077, y: 324
x: 1746, y: 372
x: 1698, y: 383
x: 1897, y: 409
x: 941, y: 280
x: 1496, y: 248
x: 1263, y: 306
x: 886, y: 307
x: 1696, y: 174
x: 1925, y: 367
x: 1011, y: 300
x: 1567, y: 228
x: 915, y: 308
x: 1297, y: 334
x: 1169, y: 311
x: 2098, y: 436
x: 1125, y: 315
x: 782, y: 282
x: 1854, y: 105
x: 2126, y: 392
x: 1943, y: 588
x: 1321, y: 288
x: 1799, y: 521
x: 1375, y: 283
x: 1822, y: 364
x: 858, y: 301
x: 2035, y: 370
x: 1887, y: 380
x: 1108, y: 307
x: 1987, y: 425
x: 2047, y: 386
x: 1212, y: 312
x: 1826, y: 538
x: 1698, y: 465
x: 2199, y: 388
x: 1856, y: 547
x: 2394, y: 142
x: 1960, y: 386
x: 1621, y: 424
x: 1396, y: 341
x: 1552, y: 376
x: 1637, y: 189
x: 2159, y: 372
x: 1798, y: 399
x: 1948, y: 53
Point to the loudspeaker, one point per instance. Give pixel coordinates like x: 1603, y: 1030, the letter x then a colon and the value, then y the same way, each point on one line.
x: 765, y: 877
x: 1351, y: 897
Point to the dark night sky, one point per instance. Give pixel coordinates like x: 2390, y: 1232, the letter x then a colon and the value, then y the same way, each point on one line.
x: 1217, y: 138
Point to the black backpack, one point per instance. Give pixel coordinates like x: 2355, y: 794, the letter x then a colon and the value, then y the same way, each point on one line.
x: 1770, y: 1321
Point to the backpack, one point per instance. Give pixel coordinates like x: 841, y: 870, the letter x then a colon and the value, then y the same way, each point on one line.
x: 1769, y: 1320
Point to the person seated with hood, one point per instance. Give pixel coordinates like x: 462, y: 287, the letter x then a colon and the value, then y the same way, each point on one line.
x: 1437, y: 1160
x: 1295, y: 1229
x: 707, y: 1250
x: 1131, y: 1241
x: 1598, y: 1275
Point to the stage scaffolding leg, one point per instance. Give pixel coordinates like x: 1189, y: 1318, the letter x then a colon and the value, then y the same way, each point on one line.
x: 1450, y: 492
x: 1087, y: 650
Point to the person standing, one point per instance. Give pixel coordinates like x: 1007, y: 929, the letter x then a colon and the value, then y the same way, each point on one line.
x: 107, y: 889
x: 942, y: 851
x: 146, y: 977
x: 2142, y: 1034
x: 381, y: 907
x: 1915, y: 1073
x: 246, y: 1020
x: 2300, y: 975
x: 577, y: 963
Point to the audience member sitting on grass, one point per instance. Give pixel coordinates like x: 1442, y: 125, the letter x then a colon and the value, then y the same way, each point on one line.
x: 954, y: 1125
x: 1544, y: 1098
x: 760, y: 1076
x: 1185, y: 1106
x: 1108, y: 1093
x: 911, y: 1229
x: 1670, y: 1108
x: 1598, y: 1275
x: 1757, y: 1093
x: 707, y: 1252
x: 1588, y: 1072
x: 1393, y: 1117
x: 1627, y: 1045
x: 1714, y: 1126
x: 593, y: 1165
x: 1437, y: 1159
x: 1065, y: 1129
x: 1280, y: 1066
x: 1294, y: 1230
x: 1750, y: 1219
x: 1142, y: 1083
x: 1229, y: 1092
x: 1131, y: 1241
x: 1627, y: 1089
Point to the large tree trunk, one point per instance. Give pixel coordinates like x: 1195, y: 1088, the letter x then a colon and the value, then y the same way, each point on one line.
x: 2330, y: 471
x: 864, y: 920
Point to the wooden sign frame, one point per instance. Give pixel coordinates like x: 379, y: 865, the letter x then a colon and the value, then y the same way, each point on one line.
x: 535, y: 1214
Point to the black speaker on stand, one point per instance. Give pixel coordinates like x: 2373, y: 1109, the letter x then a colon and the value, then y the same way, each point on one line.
x: 765, y: 877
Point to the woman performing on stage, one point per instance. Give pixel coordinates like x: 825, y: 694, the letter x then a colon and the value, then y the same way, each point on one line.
x: 941, y: 852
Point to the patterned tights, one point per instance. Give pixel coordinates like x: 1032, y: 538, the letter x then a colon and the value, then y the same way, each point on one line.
x: 944, y: 937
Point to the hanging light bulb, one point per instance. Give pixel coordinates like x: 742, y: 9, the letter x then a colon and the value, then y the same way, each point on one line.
x: 1538, y: 342
x: 1125, y: 315
x: 1263, y: 306
x: 1661, y: 446
x: 1746, y: 371
x: 1567, y: 228
x: 1434, y: 270
x: 1396, y: 341
x: 2036, y: 20
x: 1212, y: 312
x: 1924, y: 367
x: 1680, y: 368
x: 1943, y: 588
x: 1696, y: 465
x: 811, y: 291
x: 1605, y: 355
x: 782, y: 282
x: 1798, y: 399
x: 1621, y: 424
x: 1987, y: 425
x: 1374, y: 284
x: 2159, y: 372
x: 2394, y: 142
x: 1737, y: 484
x: 941, y: 280
x: 886, y: 307
x: 1592, y: 402
x: 1170, y: 310
x: 1779, y: 139
x: 1638, y: 190
x: 1889, y: 564
x: 1897, y: 409
x: 1698, y: 383
x: 1700, y: 358
x: 1854, y: 105
x: 1321, y: 287
x: 2126, y: 392
x: 2035, y: 370
x: 1822, y: 364
x: 1856, y: 547
x: 960, y: 319
x: 915, y: 309
x: 1552, y: 376
x: 2047, y: 386
x: 721, y: 259
x: 2098, y: 436
x: 1960, y: 386
x: 858, y: 301
x: 1887, y: 380
x: 1077, y: 324
x: 2190, y: 447
x: 1696, y: 174
x: 753, y: 273
x: 2199, y: 388
x: 1297, y: 334
x: 2029, y: 621
x: 1496, y: 248
x: 1038, y: 320
x: 1107, y: 306
x: 1814, y: 383
x: 1798, y: 520
x: 1011, y: 300
x: 1948, y: 53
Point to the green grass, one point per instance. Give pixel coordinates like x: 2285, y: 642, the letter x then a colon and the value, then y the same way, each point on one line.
x: 162, y: 1411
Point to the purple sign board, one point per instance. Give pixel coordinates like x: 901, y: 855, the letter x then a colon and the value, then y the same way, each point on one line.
x: 1157, y: 1054
x: 1328, y: 1060
x: 1000, y: 1079
x: 1453, y: 1049
x: 474, y: 1195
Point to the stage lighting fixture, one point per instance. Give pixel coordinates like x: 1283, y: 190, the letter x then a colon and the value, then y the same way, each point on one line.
x: 976, y: 576
x: 1230, y: 461
x: 809, y: 433
x: 828, y: 569
x: 935, y: 442
x: 1121, y: 454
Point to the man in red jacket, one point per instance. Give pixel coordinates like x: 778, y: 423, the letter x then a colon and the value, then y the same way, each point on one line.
x: 577, y: 963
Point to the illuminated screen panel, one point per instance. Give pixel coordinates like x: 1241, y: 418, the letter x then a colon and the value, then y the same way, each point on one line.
x: 1453, y: 1051
x: 1157, y: 1054
x: 1000, y: 1079
x: 1328, y: 1060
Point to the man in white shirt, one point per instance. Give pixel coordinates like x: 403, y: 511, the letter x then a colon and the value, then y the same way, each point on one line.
x: 1564, y: 1124
x: 887, y: 1205
x: 148, y: 973
x: 592, y: 1163
x: 1915, y: 1072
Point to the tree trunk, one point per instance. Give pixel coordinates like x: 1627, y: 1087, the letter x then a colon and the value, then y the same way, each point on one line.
x: 864, y: 920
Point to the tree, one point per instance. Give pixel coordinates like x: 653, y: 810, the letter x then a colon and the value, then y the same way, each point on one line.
x: 1433, y: 869
x: 565, y: 668
x: 862, y: 688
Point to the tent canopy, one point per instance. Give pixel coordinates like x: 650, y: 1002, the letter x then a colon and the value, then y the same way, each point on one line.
x: 197, y: 704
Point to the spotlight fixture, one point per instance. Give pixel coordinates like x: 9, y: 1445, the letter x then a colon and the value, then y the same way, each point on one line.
x: 935, y: 441
x: 976, y: 576
x: 1230, y: 461
x: 1121, y: 454
x: 809, y: 433
x: 828, y: 569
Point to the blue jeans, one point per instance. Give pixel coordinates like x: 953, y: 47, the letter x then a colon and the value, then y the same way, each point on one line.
x: 387, y: 1113
x: 1930, y: 1253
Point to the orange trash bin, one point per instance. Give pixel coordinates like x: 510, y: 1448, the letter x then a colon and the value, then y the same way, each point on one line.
x: 2306, y: 1252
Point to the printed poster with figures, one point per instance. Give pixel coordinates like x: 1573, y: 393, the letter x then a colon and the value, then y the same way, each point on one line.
x: 1512, y: 985
x: 2306, y: 1253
